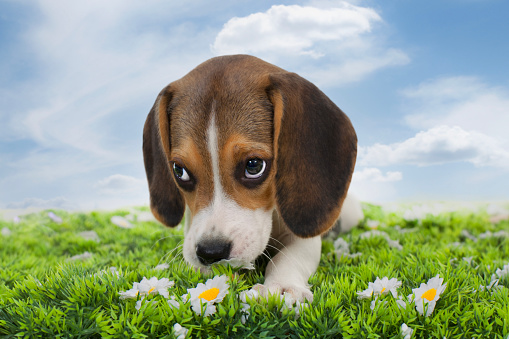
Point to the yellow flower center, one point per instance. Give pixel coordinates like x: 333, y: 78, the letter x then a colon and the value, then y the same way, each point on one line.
x: 209, y: 294
x: 153, y: 288
x: 429, y: 294
x: 383, y: 289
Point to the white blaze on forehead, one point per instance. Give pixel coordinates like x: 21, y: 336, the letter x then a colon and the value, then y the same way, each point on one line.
x: 213, y: 148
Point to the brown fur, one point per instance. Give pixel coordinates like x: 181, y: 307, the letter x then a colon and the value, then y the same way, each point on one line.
x: 238, y: 149
x: 260, y: 111
x: 188, y: 154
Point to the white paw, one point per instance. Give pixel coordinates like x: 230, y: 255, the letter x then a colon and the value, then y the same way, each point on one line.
x: 298, y: 293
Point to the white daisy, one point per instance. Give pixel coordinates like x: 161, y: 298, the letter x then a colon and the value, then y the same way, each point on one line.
x: 493, y: 284
x: 406, y: 332
x: 55, y: 217
x: 148, y: 286
x: 104, y: 272
x: 121, y: 222
x: 173, y: 302
x: 155, y: 286
x: 139, y: 302
x: 84, y: 256
x: 468, y: 235
x: 291, y: 304
x: 145, y: 216
x: 213, y: 291
x: 428, y: 294
x: 251, y: 294
x: 245, y: 307
x: 501, y: 273
x: 179, y: 331
x: 488, y: 234
x: 375, y: 301
x: 402, y: 303
x: 129, y: 294
x: 495, y: 278
x: 114, y: 270
x: 161, y: 267
x: 405, y: 230
x: 394, y: 244
x: 90, y: 235
x: 376, y: 233
x: 367, y: 293
x: 372, y: 224
x: 341, y: 247
x: 380, y: 287
x: 6, y: 232
x: 468, y: 259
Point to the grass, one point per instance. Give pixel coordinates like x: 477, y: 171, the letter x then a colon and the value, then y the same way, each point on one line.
x: 45, y: 293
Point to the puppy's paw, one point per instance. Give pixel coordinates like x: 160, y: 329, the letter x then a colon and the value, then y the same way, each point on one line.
x: 298, y: 293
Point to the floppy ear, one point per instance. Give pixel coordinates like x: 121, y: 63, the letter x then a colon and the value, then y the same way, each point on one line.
x: 315, y: 150
x: 166, y: 201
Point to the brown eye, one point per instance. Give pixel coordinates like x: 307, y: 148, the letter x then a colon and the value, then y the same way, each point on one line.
x: 181, y: 173
x: 255, y: 168
x: 183, y: 177
x: 252, y: 172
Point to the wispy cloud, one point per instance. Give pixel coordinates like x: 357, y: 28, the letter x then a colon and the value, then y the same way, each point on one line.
x: 57, y: 203
x: 438, y: 145
x: 98, y: 61
x: 294, y: 29
x: 118, y: 184
x: 459, y: 119
x: 372, y: 174
x: 330, y: 45
x: 371, y: 184
x: 80, y: 78
x: 97, y: 69
x: 463, y: 101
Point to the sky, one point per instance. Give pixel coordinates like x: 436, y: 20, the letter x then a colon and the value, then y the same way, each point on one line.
x: 425, y: 84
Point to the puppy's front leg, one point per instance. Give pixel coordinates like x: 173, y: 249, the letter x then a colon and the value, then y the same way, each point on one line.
x: 290, y: 270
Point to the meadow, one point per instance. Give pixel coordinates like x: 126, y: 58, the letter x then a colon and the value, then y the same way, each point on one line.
x: 403, y: 273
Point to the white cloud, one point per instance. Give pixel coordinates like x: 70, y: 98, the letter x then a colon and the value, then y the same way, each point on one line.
x: 95, y: 61
x: 293, y: 29
x: 93, y: 73
x: 355, y: 68
x: 461, y: 101
x: 341, y: 37
x: 118, y: 183
x: 371, y: 184
x: 457, y: 119
x: 438, y: 145
x: 478, y: 112
x: 371, y: 174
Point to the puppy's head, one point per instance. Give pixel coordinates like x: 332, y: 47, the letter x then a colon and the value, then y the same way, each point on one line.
x: 237, y: 138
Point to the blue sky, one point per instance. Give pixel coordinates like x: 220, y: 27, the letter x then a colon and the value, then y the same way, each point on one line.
x: 426, y: 85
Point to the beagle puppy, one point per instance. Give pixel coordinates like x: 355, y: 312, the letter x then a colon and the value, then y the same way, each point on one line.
x: 258, y: 158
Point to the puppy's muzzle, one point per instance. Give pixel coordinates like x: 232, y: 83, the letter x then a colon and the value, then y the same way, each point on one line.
x: 210, y: 251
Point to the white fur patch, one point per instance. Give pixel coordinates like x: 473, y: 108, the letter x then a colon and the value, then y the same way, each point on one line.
x: 248, y: 230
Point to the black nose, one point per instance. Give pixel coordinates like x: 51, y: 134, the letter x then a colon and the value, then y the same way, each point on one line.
x: 211, y: 251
